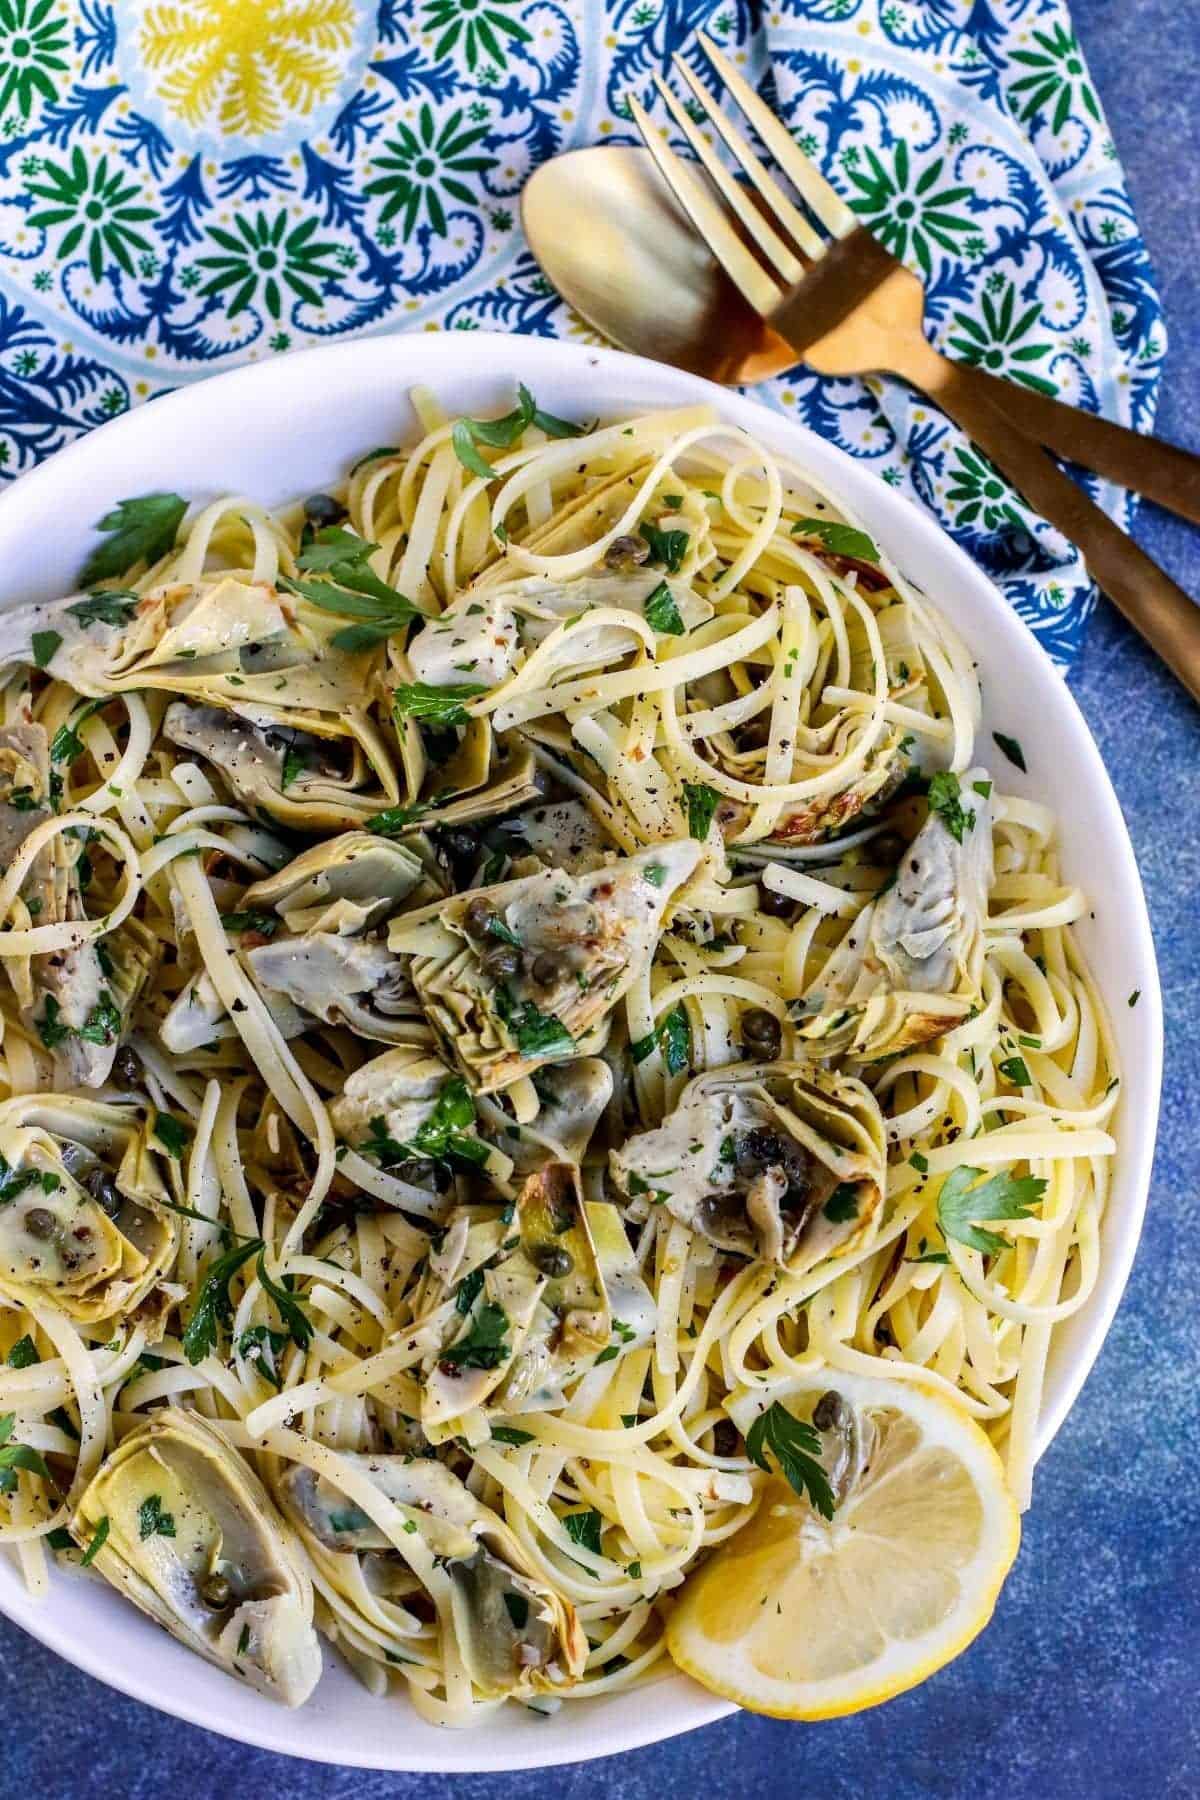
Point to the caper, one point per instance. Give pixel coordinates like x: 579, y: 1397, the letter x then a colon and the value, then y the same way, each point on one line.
x: 215, y: 1591
x: 501, y: 961
x: 477, y: 918
x: 126, y: 1066
x: 412, y: 1170
x: 549, y: 968
x: 626, y: 553
x: 553, y: 1261
x: 39, y: 1222
x: 323, y: 509
x: 830, y: 1412
x: 103, y: 1189
x: 776, y: 906
x: 461, y: 841
x: 762, y: 1034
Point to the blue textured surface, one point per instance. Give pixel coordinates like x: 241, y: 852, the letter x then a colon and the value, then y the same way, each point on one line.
x: 1084, y: 1685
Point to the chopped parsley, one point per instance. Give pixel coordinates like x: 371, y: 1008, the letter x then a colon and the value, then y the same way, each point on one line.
x: 153, y: 1521
x: 138, y: 530
x: 436, y: 705
x: 1011, y: 749
x: 67, y: 746
x: 702, y: 803
x: 1013, y: 1069
x: 945, y: 800
x: 116, y: 606
x: 98, y: 1539
x: 171, y: 1135
x: 23, y: 1354
x: 45, y: 643
x: 265, y: 924
x: 796, y: 1446
x: 468, y: 1291
x: 290, y: 1309
x: 666, y: 547
x: 962, y: 1204
x: 584, y: 1528
x: 841, y: 539
x: 508, y: 1434
x: 1135, y: 996
x: 17, y: 1456
x: 536, y: 1033
x: 263, y: 1346
x: 673, y: 1036
x: 103, y: 1023
x: 212, y: 1307
x: 485, y: 1345
x: 662, y: 614
x: 842, y: 1204
x: 395, y: 820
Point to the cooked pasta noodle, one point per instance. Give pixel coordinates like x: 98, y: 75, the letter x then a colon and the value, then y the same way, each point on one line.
x: 500, y: 959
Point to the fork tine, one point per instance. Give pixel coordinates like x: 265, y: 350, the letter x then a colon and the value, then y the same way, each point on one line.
x: 743, y: 269
x: 787, y: 214
x: 783, y: 262
x: 824, y: 200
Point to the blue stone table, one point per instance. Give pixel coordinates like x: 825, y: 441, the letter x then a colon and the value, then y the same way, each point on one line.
x: 1085, y: 1683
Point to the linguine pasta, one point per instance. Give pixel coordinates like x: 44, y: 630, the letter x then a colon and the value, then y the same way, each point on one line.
x: 500, y: 960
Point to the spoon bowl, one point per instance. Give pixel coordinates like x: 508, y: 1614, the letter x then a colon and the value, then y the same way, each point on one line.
x: 608, y: 233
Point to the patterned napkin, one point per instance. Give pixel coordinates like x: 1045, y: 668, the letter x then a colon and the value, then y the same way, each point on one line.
x: 190, y: 184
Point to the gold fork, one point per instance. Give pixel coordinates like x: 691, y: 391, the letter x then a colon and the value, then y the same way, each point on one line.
x: 849, y: 307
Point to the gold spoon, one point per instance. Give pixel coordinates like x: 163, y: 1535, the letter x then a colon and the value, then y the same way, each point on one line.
x: 604, y: 226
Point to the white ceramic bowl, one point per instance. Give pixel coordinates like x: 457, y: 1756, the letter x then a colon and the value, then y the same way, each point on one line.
x: 291, y: 427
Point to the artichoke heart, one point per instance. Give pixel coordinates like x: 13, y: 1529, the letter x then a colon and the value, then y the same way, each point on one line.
x: 783, y: 1163
x: 827, y: 814
x: 352, y: 882
x: 194, y: 1541
x: 910, y: 967
x: 515, y: 1633
x: 310, y: 771
x: 518, y: 975
x: 353, y: 981
x: 82, y: 1216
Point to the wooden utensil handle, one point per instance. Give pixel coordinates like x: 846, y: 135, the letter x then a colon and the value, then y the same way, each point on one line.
x: 1156, y: 607
x: 1160, y: 471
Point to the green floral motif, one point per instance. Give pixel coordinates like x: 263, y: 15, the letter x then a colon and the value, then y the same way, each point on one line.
x: 422, y: 162
x: 95, y: 206
x: 907, y: 211
x: 480, y: 26
x: 31, y: 45
x: 980, y: 494
x: 1056, y: 70
x: 995, y: 339
x: 263, y: 254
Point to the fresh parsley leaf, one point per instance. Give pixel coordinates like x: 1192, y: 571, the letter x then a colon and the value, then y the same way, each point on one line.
x: 930, y: 1256
x: 536, y: 1033
x: 796, y: 1445
x: 171, y: 1135
x: 139, y: 530
x: 1013, y: 1069
x: 503, y: 433
x: 153, y: 1521
x: 1011, y: 749
x: 265, y: 924
x: 60, y: 1539
x: 45, y: 643
x: 350, y: 587
x: 962, y: 1204
x: 841, y: 539
x: 919, y: 1163
x: 211, y: 1305
x: 380, y: 451
x: 103, y: 1023
x: 66, y: 746
x: 263, y: 1346
x: 445, y: 1131
x: 17, y: 1456
x: 438, y: 705
x: 666, y: 547
x: 116, y: 606
x: 98, y: 1539
x: 294, y: 764
x: 662, y: 614
x: 290, y: 1309
x: 468, y: 1291
x: 485, y: 1345
x: 393, y: 821
x: 982, y: 788
x: 584, y: 1528
x: 673, y: 1035
x: 508, y: 1434
x: 944, y: 799
x: 50, y: 1027
x: 842, y: 1204
x: 23, y: 1354
x: 349, y: 1518
x: 702, y: 803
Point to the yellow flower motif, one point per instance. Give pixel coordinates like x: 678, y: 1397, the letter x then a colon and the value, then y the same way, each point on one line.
x: 246, y: 67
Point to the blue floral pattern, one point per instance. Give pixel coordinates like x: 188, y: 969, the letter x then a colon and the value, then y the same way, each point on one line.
x: 189, y: 184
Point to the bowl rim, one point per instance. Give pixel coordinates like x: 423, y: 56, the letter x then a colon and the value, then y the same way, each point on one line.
x: 497, y: 359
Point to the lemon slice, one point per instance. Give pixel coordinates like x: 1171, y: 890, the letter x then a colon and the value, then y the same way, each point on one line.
x: 808, y: 1619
